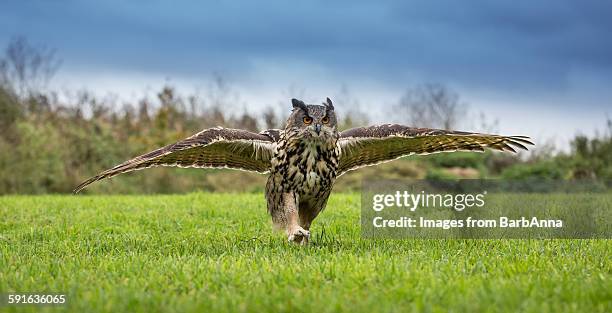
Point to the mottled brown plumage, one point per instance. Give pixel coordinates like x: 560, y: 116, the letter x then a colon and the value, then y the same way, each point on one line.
x: 210, y: 148
x: 304, y: 159
x: 365, y: 146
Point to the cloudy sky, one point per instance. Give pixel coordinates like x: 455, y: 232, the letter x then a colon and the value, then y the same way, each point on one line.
x: 544, y: 68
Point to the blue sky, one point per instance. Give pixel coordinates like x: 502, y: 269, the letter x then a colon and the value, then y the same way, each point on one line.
x: 544, y: 68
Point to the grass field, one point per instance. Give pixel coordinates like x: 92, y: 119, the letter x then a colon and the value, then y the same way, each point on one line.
x: 217, y: 252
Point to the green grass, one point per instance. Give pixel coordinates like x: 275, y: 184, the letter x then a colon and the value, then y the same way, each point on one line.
x: 217, y: 252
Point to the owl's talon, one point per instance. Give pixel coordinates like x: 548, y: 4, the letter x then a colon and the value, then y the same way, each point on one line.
x: 299, y: 236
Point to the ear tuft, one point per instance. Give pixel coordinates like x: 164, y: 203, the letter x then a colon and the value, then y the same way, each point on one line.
x: 299, y: 104
x: 329, y: 104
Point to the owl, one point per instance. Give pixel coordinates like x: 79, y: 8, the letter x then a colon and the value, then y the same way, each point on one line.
x: 303, y: 159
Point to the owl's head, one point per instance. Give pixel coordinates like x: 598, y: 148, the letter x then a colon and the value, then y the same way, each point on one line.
x: 315, y: 121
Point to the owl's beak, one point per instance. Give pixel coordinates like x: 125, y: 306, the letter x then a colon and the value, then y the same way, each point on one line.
x: 318, y: 128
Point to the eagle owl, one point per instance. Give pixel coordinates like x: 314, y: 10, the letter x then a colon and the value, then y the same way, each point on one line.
x: 304, y: 159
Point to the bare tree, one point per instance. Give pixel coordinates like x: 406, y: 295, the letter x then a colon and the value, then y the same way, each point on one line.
x: 352, y: 115
x: 27, y: 69
x: 485, y: 125
x: 270, y: 119
x: 432, y: 105
x: 246, y: 121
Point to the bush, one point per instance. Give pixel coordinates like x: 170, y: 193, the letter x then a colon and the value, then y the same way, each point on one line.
x: 457, y: 159
x: 548, y: 169
x: 439, y: 174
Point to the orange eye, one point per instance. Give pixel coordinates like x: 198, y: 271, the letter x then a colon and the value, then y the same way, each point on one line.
x: 325, y: 120
x: 307, y: 120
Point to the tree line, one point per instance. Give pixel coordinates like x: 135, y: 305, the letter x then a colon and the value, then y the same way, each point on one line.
x: 49, y: 142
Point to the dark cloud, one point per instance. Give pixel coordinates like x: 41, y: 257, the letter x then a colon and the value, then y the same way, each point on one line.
x: 516, y: 46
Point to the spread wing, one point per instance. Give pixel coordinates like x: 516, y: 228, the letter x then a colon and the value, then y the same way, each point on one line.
x: 364, y: 146
x: 210, y: 148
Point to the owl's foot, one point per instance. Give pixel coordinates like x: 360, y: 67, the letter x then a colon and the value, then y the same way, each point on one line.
x: 298, y: 236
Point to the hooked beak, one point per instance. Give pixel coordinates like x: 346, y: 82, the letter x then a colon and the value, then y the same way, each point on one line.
x: 318, y: 128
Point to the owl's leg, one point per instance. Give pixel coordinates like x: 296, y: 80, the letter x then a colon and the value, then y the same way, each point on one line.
x: 305, y: 219
x: 309, y: 209
x: 295, y: 232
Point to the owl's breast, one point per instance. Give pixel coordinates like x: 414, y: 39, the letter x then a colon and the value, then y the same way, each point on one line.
x: 307, y: 167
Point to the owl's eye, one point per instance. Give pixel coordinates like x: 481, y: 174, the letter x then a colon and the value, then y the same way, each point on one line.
x: 307, y: 120
x: 325, y: 120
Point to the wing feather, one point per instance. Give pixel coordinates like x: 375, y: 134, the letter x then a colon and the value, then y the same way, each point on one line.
x: 364, y: 146
x: 211, y: 148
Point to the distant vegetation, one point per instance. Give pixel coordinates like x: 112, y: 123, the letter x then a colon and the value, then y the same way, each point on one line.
x: 50, y: 142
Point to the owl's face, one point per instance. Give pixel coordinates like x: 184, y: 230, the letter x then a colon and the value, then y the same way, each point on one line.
x: 313, y: 121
